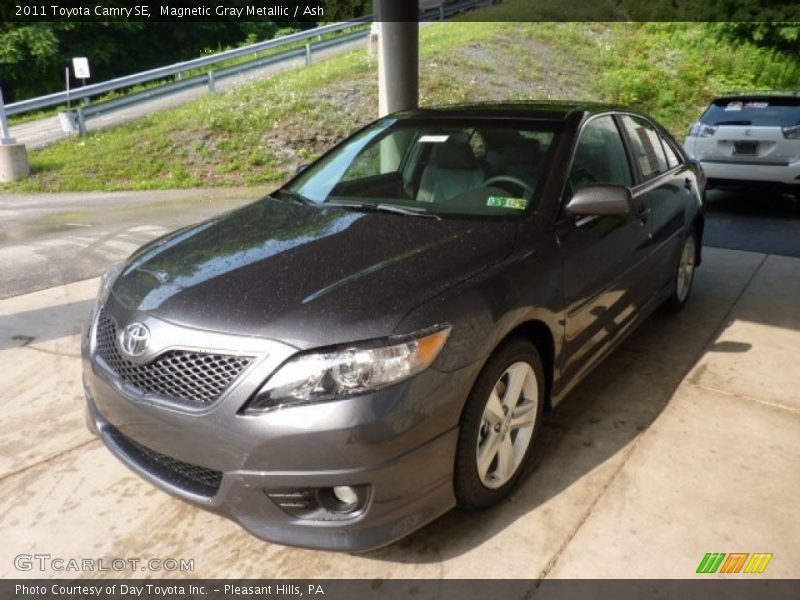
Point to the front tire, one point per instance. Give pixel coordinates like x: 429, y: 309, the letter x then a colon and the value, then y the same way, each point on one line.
x: 499, y: 425
x: 684, y: 275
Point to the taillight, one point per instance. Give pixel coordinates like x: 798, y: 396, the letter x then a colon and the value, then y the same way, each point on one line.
x: 792, y: 133
x: 702, y: 130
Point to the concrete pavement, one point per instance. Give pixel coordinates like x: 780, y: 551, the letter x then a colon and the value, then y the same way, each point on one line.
x: 719, y: 470
x: 685, y: 441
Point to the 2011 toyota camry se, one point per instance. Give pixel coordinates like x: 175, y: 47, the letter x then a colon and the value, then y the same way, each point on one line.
x: 344, y: 360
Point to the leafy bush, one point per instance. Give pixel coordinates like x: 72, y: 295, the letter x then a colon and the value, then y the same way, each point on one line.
x: 672, y: 70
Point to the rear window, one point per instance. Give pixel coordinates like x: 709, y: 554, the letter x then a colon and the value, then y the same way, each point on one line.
x: 759, y: 112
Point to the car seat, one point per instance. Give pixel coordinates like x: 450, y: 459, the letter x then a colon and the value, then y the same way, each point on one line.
x: 452, y: 170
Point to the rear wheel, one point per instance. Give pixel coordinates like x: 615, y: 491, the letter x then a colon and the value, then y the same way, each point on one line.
x: 684, y: 275
x: 499, y: 425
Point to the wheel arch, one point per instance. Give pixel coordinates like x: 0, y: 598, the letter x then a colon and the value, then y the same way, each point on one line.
x: 538, y: 333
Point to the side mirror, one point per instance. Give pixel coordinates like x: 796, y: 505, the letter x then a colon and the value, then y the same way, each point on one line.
x: 597, y: 200
x: 301, y: 168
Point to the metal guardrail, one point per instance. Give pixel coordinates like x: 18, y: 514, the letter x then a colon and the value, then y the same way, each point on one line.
x: 126, y: 81
x: 209, y: 79
x: 445, y: 9
x: 76, y: 118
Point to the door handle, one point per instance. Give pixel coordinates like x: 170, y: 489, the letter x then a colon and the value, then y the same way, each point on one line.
x: 642, y: 214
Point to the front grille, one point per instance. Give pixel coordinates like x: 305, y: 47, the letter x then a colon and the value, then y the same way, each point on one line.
x: 194, y: 479
x: 192, y: 378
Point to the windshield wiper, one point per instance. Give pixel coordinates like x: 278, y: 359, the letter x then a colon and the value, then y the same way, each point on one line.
x: 407, y: 210
x: 741, y: 122
x: 297, y: 197
x: 390, y: 208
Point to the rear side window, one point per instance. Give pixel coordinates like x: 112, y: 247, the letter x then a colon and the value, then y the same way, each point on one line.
x: 758, y: 112
x: 672, y: 156
x: 600, y: 156
x: 648, y: 153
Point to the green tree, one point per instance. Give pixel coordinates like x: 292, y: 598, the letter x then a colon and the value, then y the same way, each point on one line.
x: 33, y: 55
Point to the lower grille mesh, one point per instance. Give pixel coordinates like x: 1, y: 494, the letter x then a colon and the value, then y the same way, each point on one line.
x: 192, y: 478
x: 187, y: 377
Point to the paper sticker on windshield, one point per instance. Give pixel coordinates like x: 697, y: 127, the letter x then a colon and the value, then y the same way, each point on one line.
x: 503, y: 202
x: 433, y: 139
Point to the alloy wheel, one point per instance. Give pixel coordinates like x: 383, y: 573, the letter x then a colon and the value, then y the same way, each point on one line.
x: 507, y: 425
x: 686, y: 269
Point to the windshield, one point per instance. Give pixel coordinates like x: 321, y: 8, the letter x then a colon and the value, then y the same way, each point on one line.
x: 425, y: 167
x: 758, y: 112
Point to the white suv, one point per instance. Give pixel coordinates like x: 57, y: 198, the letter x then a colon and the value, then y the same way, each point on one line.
x: 749, y: 139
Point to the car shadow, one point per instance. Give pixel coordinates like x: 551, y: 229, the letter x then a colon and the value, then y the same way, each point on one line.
x: 583, y: 438
x: 24, y: 328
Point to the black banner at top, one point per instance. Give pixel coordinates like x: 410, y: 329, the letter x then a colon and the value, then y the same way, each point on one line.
x: 326, y: 11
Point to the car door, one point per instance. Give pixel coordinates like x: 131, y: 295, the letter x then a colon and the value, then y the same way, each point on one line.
x: 602, y: 255
x: 666, y: 185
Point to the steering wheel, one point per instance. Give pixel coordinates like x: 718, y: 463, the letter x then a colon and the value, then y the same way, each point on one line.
x: 529, y: 191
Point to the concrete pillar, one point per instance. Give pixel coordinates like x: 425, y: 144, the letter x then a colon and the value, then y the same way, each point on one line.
x: 398, y: 55
x: 13, y: 156
x: 13, y: 162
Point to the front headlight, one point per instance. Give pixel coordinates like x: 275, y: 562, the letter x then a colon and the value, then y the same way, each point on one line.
x: 106, y: 283
x: 325, y: 376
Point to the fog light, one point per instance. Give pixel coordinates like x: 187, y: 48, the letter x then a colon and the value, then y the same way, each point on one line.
x: 345, y: 494
x: 322, y: 504
x: 343, y: 499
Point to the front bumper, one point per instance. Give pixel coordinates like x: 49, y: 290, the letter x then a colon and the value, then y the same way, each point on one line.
x: 400, y: 442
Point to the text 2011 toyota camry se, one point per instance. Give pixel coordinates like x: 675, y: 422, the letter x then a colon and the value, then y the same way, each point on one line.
x: 344, y: 360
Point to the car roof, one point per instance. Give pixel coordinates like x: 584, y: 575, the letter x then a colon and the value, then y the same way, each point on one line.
x: 744, y: 96
x: 534, y: 109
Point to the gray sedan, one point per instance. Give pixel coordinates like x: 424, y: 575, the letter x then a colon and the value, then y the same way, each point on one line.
x: 344, y: 360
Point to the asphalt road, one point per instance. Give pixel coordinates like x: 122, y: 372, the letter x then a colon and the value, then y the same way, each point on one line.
x: 753, y: 220
x: 54, y: 239
x: 37, y: 134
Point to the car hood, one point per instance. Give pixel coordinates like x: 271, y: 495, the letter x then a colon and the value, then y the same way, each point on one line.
x: 304, y: 275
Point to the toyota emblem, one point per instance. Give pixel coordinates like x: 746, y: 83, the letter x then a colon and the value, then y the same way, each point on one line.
x: 134, y: 339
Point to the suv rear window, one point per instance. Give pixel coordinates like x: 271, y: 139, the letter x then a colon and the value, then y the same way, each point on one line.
x: 756, y: 111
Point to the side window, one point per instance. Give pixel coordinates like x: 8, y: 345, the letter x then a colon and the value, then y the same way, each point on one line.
x: 672, y: 156
x: 600, y: 156
x: 648, y: 153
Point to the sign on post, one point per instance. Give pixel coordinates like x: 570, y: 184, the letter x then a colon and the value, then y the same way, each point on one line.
x: 80, y: 66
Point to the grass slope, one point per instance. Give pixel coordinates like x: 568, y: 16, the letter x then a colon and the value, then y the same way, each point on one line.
x: 257, y: 134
